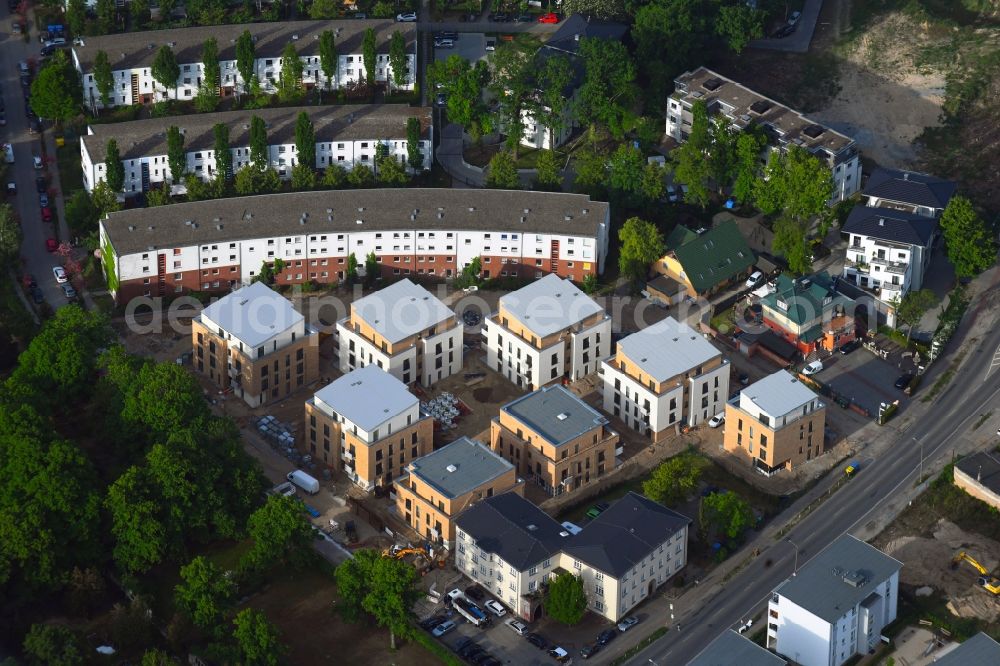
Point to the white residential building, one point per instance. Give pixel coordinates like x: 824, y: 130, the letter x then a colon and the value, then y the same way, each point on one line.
x: 404, y: 330
x: 218, y: 244
x: 784, y: 126
x: 132, y: 54
x: 836, y: 606
x: 345, y: 136
x: 546, y: 331
x: 513, y: 549
x: 664, y: 376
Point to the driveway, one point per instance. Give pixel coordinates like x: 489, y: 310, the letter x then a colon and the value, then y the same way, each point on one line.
x: 864, y: 378
x: 798, y: 41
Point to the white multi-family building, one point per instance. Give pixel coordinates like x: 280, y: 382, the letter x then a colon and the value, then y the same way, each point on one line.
x: 890, y: 240
x: 345, y: 136
x: 664, y: 376
x: 836, y: 606
x: 783, y: 126
x: 406, y: 331
x: 546, y: 331
x: 513, y: 549
x: 215, y: 245
x: 132, y: 55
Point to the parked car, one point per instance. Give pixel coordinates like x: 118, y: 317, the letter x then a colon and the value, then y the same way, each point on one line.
x: 443, y: 628
x: 523, y: 18
x: 813, y: 368
x: 23, y: 67
x: 446, y: 35
x: 783, y: 32
x: 58, y: 42
x: 499, y: 17
x: 672, y: 193
x: 559, y: 654
x: 847, y: 348
x: 43, y: 199
x: 37, y: 295
x: 51, y: 245
x: 60, y: 273
x: 606, y: 637
x: 36, y: 161
x: 548, y: 18
x: 590, y: 650
x: 444, y: 43
x: 461, y: 644
x: 3, y: 118
x: 518, y: 627
x: 627, y: 623
x: 494, y: 607
x: 68, y: 291
x: 794, y: 18
x: 716, y: 420
x: 475, y: 593
x: 903, y: 381
x: 407, y: 17
x: 11, y: 188
x: 46, y: 214
x: 754, y: 280
x: 744, y: 379
x: 537, y: 640
x: 40, y: 184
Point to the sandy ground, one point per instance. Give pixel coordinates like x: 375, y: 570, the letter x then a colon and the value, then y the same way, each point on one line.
x: 928, y: 561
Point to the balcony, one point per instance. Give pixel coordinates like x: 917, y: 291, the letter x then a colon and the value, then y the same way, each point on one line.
x: 859, y: 266
x: 895, y: 267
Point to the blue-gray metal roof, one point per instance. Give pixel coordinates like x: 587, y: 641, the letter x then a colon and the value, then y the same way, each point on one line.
x: 733, y: 649
x: 555, y: 413
x: 980, y: 650
x: 459, y: 467
x: 839, y: 578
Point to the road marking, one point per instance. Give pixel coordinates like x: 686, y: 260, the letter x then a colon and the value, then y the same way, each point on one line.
x: 994, y: 362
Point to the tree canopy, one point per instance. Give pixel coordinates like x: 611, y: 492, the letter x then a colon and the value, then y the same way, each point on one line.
x: 165, y: 69
x: 674, y: 479
x: 566, y: 600
x: 56, y: 92
x: 257, y: 639
x: 280, y: 533
x: 726, y: 512
x: 383, y: 587
x: 305, y: 140
x: 502, y: 173
x: 113, y: 167
x: 911, y: 309
x: 204, y: 593
x: 971, y: 247
x: 10, y: 233
x: 641, y: 245
x: 328, y: 59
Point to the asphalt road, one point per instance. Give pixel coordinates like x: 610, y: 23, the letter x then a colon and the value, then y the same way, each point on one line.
x: 971, y: 392
x: 37, y: 260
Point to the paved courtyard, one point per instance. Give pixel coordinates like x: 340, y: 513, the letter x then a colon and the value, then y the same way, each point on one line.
x: 865, y: 378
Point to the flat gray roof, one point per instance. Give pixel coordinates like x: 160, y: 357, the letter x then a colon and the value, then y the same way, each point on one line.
x: 400, y: 310
x: 132, y: 50
x: 980, y: 650
x: 984, y: 467
x: 549, y: 304
x: 333, y: 211
x: 667, y: 349
x: 555, y: 413
x: 733, y: 649
x: 254, y: 314
x: 351, y: 122
x: 839, y: 578
x: 368, y: 397
x: 459, y: 467
x: 778, y: 393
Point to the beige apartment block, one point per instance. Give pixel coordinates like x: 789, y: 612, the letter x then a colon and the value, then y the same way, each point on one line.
x: 555, y: 439
x: 254, y: 342
x: 778, y: 422
x: 441, y: 485
x: 369, y: 425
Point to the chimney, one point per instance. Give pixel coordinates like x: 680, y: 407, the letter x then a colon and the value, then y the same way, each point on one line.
x: 576, y: 37
x: 881, y: 222
x: 906, y: 175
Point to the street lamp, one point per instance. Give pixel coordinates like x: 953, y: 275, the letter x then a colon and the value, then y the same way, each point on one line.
x: 795, y: 568
x: 921, y: 443
x: 653, y: 662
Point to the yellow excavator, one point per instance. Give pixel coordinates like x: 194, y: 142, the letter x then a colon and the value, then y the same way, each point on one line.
x: 398, y: 553
x: 986, y: 581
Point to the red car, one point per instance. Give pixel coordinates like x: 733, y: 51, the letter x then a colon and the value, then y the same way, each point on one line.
x: 548, y: 18
x: 46, y: 214
x: 51, y: 245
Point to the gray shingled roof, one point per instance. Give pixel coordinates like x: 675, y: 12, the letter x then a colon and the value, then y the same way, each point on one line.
x: 577, y: 27
x: 555, y: 413
x: 839, y: 578
x: 985, y: 466
x: 459, y: 467
x: 980, y: 650
x: 732, y: 649
x: 514, y: 529
x: 265, y: 216
x: 918, y: 189
x: 891, y: 225
x: 140, y: 138
x: 626, y: 533
x: 138, y: 49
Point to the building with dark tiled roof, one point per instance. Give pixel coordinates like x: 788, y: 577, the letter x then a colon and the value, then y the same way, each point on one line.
x: 706, y: 261
x: 908, y: 191
x: 980, y: 650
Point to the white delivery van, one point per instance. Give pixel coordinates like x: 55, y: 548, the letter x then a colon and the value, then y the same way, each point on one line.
x: 304, y: 481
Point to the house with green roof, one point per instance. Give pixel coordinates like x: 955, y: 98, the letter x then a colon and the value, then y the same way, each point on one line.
x: 708, y: 261
x: 809, y: 312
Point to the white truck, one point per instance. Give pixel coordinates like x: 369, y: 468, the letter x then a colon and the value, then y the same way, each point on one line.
x: 304, y: 481
x: 8, y: 153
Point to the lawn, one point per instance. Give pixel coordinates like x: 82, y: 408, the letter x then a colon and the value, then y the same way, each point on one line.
x: 723, y: 321
x: 68, y: 163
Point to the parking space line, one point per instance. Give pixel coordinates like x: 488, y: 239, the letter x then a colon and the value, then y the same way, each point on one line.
x: 994, y: 362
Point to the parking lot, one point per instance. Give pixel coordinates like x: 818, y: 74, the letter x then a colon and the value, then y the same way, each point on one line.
x: 470, y: 46
x: 864, y: 378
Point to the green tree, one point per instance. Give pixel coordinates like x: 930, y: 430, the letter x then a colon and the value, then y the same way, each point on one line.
x: 52, y: 645
x: 738, y: 24
x: 603, y: 9
x: 258, y: 143
x: 324, y: 9
x: 105, y: 16
x: 549, y: 175
x: 912, y: 308
x: 158, y: 197
x: 352, y: 268
x: 205, y: 593
x: 371, y: 268
x: 81, y: 213
x: 223, y: 154
x: 808, y: 184
x: 246, y: 56
x: 10, y: 234
x: 790, y: 242
x: 290, y: 84
x: 369, y: 55
x: 652, y: 187
x: 280, y: 533
x: 591, y: 166
x: 303, y: 178
x: 722, y: 157
x: 382, y: 9
x: 305, y: 140
x: 383, y: 587
x: 329, y: 60
x: 76, y: 16
x: 354, y: 582
x: 414, y: 156
x: 502, y: 173
x: 691, y: 166
x: 360, y: 176
x: 56, y: 92
x: 970, y: 246
x: 156, y: 657
x: 725, y: 512
x: 608, y: 90
x: 668, y: 35
x: 165, y: 69
x: 258, y: 640
x: 334, y: 177
x: 511, y: 80
x: 673, y: 480
x: 641, y: 245
x: 270, y: 181
x: 397, y: 60
x: 589, y: 284
x: 391, y: 172
x: 248, y: 181
x: 208, y: 92
x: 104, y: 79
x: 114, y: 169
x: 167, y: 9
x: 551, y: 107
x: 139, y: 11
x: 141, y: 539
x: 104, y: 199
x: 625, y: 173
x: 566, y: 600
x: 176, y: 156
x: 769, y: 189
x: 749, y: 144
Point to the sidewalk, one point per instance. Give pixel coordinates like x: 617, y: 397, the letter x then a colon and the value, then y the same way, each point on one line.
x: 450, y: 157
